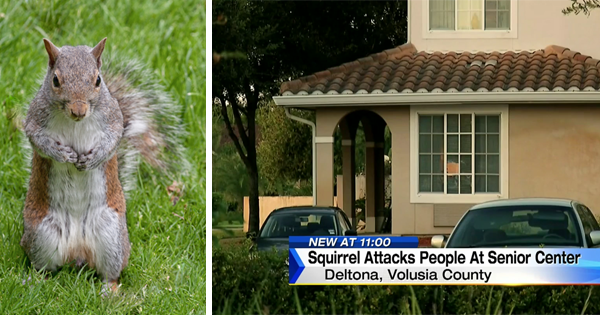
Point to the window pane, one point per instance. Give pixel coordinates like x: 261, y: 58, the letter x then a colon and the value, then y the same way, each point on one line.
x: 465, y: 144
x: 480, y: 163
x: 493, y: 183
x: 480, y: 143
x: 441, y: 14
x: 425, y: 183
x: 493, y: 144
x: 438, y: 144
x: 438, y: 124
x: 452, y: 185
x: 480, y: 123
x: 452, y: 144
x: 452, y: 123
x: 491, y: 20
x: 463, y: 5
x: 493, y: 164
x: 452, y: 165
x: 497, y: 14
x: 504, y: 20
x: 480, y: 183
x: 437, y: 164
x: 493, y: 124
x: 469, y: 20
x: 465, y: 164
x: 424, y: 124
x: 465, y: 184
x: 438, y: 183
x: 476, y: 5
x: 424, y: 164
x: 465, y: 123
x: 424, y: 143
x: 442, y: 20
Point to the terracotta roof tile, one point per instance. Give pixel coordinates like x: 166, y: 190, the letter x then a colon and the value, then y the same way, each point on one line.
x: 405, y: 69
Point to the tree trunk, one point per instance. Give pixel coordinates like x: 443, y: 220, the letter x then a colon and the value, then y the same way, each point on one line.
x: 251, y: 165
x: 254, y: 214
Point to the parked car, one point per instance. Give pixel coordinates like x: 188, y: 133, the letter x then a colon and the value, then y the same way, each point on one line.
x: 527, y: 222
x: 301, y: 221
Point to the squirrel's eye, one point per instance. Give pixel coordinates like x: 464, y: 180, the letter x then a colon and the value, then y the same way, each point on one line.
x: 55, y: 81
x: 98, y: 80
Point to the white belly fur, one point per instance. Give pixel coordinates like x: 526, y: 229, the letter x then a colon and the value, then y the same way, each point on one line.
x: 77, y: 199
x: 82, y: 136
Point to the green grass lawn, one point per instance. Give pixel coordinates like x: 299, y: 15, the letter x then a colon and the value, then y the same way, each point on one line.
x: 167, y: 268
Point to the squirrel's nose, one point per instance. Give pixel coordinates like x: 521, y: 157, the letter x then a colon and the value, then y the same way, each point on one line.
x: 78, y: 110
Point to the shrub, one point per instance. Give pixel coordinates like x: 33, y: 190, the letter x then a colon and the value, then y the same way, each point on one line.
x: 245, y: 283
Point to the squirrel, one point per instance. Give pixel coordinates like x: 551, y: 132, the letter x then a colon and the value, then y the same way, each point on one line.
x: 85, y: 130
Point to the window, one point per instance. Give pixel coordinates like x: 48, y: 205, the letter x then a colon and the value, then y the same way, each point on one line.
x: 344, y: 223
x: 526, y: 226
x: 468, y: 15
x: 460, y: 155
x: 587, y: 219
x: 469, y: 146
x: 291, y: 224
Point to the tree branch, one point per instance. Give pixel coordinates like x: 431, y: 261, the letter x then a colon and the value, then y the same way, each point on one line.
x: 232, y: 135
x: 238, y: 122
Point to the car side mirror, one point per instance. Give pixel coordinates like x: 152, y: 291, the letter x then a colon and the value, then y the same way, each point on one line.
x: 438, y: 241
x: 350, y: 233
x: 595, y: 237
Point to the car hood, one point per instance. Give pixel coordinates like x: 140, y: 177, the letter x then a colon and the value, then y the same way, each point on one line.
x: 279, y: 244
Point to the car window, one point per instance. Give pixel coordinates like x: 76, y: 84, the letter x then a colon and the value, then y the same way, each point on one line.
x: 344, y: 224
x: 294, y: 224
x: 517, y: 226
x: 587, y: 219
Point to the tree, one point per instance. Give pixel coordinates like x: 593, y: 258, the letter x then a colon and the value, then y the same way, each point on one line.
x: 284, y: 153
x: 578, y: 6
x: 282, y: 40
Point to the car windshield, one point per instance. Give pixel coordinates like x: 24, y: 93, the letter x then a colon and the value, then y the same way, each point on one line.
x: 517, y: 226
x: 299, y: 224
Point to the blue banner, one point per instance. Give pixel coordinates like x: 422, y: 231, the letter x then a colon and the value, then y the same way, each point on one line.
x: 354, y: 242
x: 314, y: 264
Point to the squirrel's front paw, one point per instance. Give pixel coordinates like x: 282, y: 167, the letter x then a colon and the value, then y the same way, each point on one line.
x: 87, y: 161
x: 65, y: 154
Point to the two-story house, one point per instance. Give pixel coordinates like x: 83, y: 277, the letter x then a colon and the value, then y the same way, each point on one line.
x: 488, y: 99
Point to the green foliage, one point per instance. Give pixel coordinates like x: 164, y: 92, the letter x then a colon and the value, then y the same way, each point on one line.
x: 285, y: 150
x: 265, y: 290
x: 578, y: 6
x: 230, y: 177
x: 166, y: 271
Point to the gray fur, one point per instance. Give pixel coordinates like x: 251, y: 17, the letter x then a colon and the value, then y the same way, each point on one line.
x: 79, y: 126
x: 138, y: 91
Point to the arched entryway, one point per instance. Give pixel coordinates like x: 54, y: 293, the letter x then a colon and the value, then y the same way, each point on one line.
x: 367, y: 130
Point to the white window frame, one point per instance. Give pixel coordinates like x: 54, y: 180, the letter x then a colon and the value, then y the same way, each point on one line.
x: 472, y: 34
x: 442, y: 198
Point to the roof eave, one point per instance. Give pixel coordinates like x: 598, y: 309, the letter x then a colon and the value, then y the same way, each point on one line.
x: 458, y: 98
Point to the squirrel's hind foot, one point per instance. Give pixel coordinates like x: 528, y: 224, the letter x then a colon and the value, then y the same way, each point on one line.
x: 109, y: 287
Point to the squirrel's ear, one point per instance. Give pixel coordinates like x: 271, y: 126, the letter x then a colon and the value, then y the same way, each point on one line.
x: 53, y: 52
x: 97, y: 51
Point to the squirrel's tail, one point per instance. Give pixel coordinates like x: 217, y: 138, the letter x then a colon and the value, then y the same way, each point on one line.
x: 154, y: 130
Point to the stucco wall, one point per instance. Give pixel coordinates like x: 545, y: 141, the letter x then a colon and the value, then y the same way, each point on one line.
x: 540, y: 23
x: 555, y: 152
